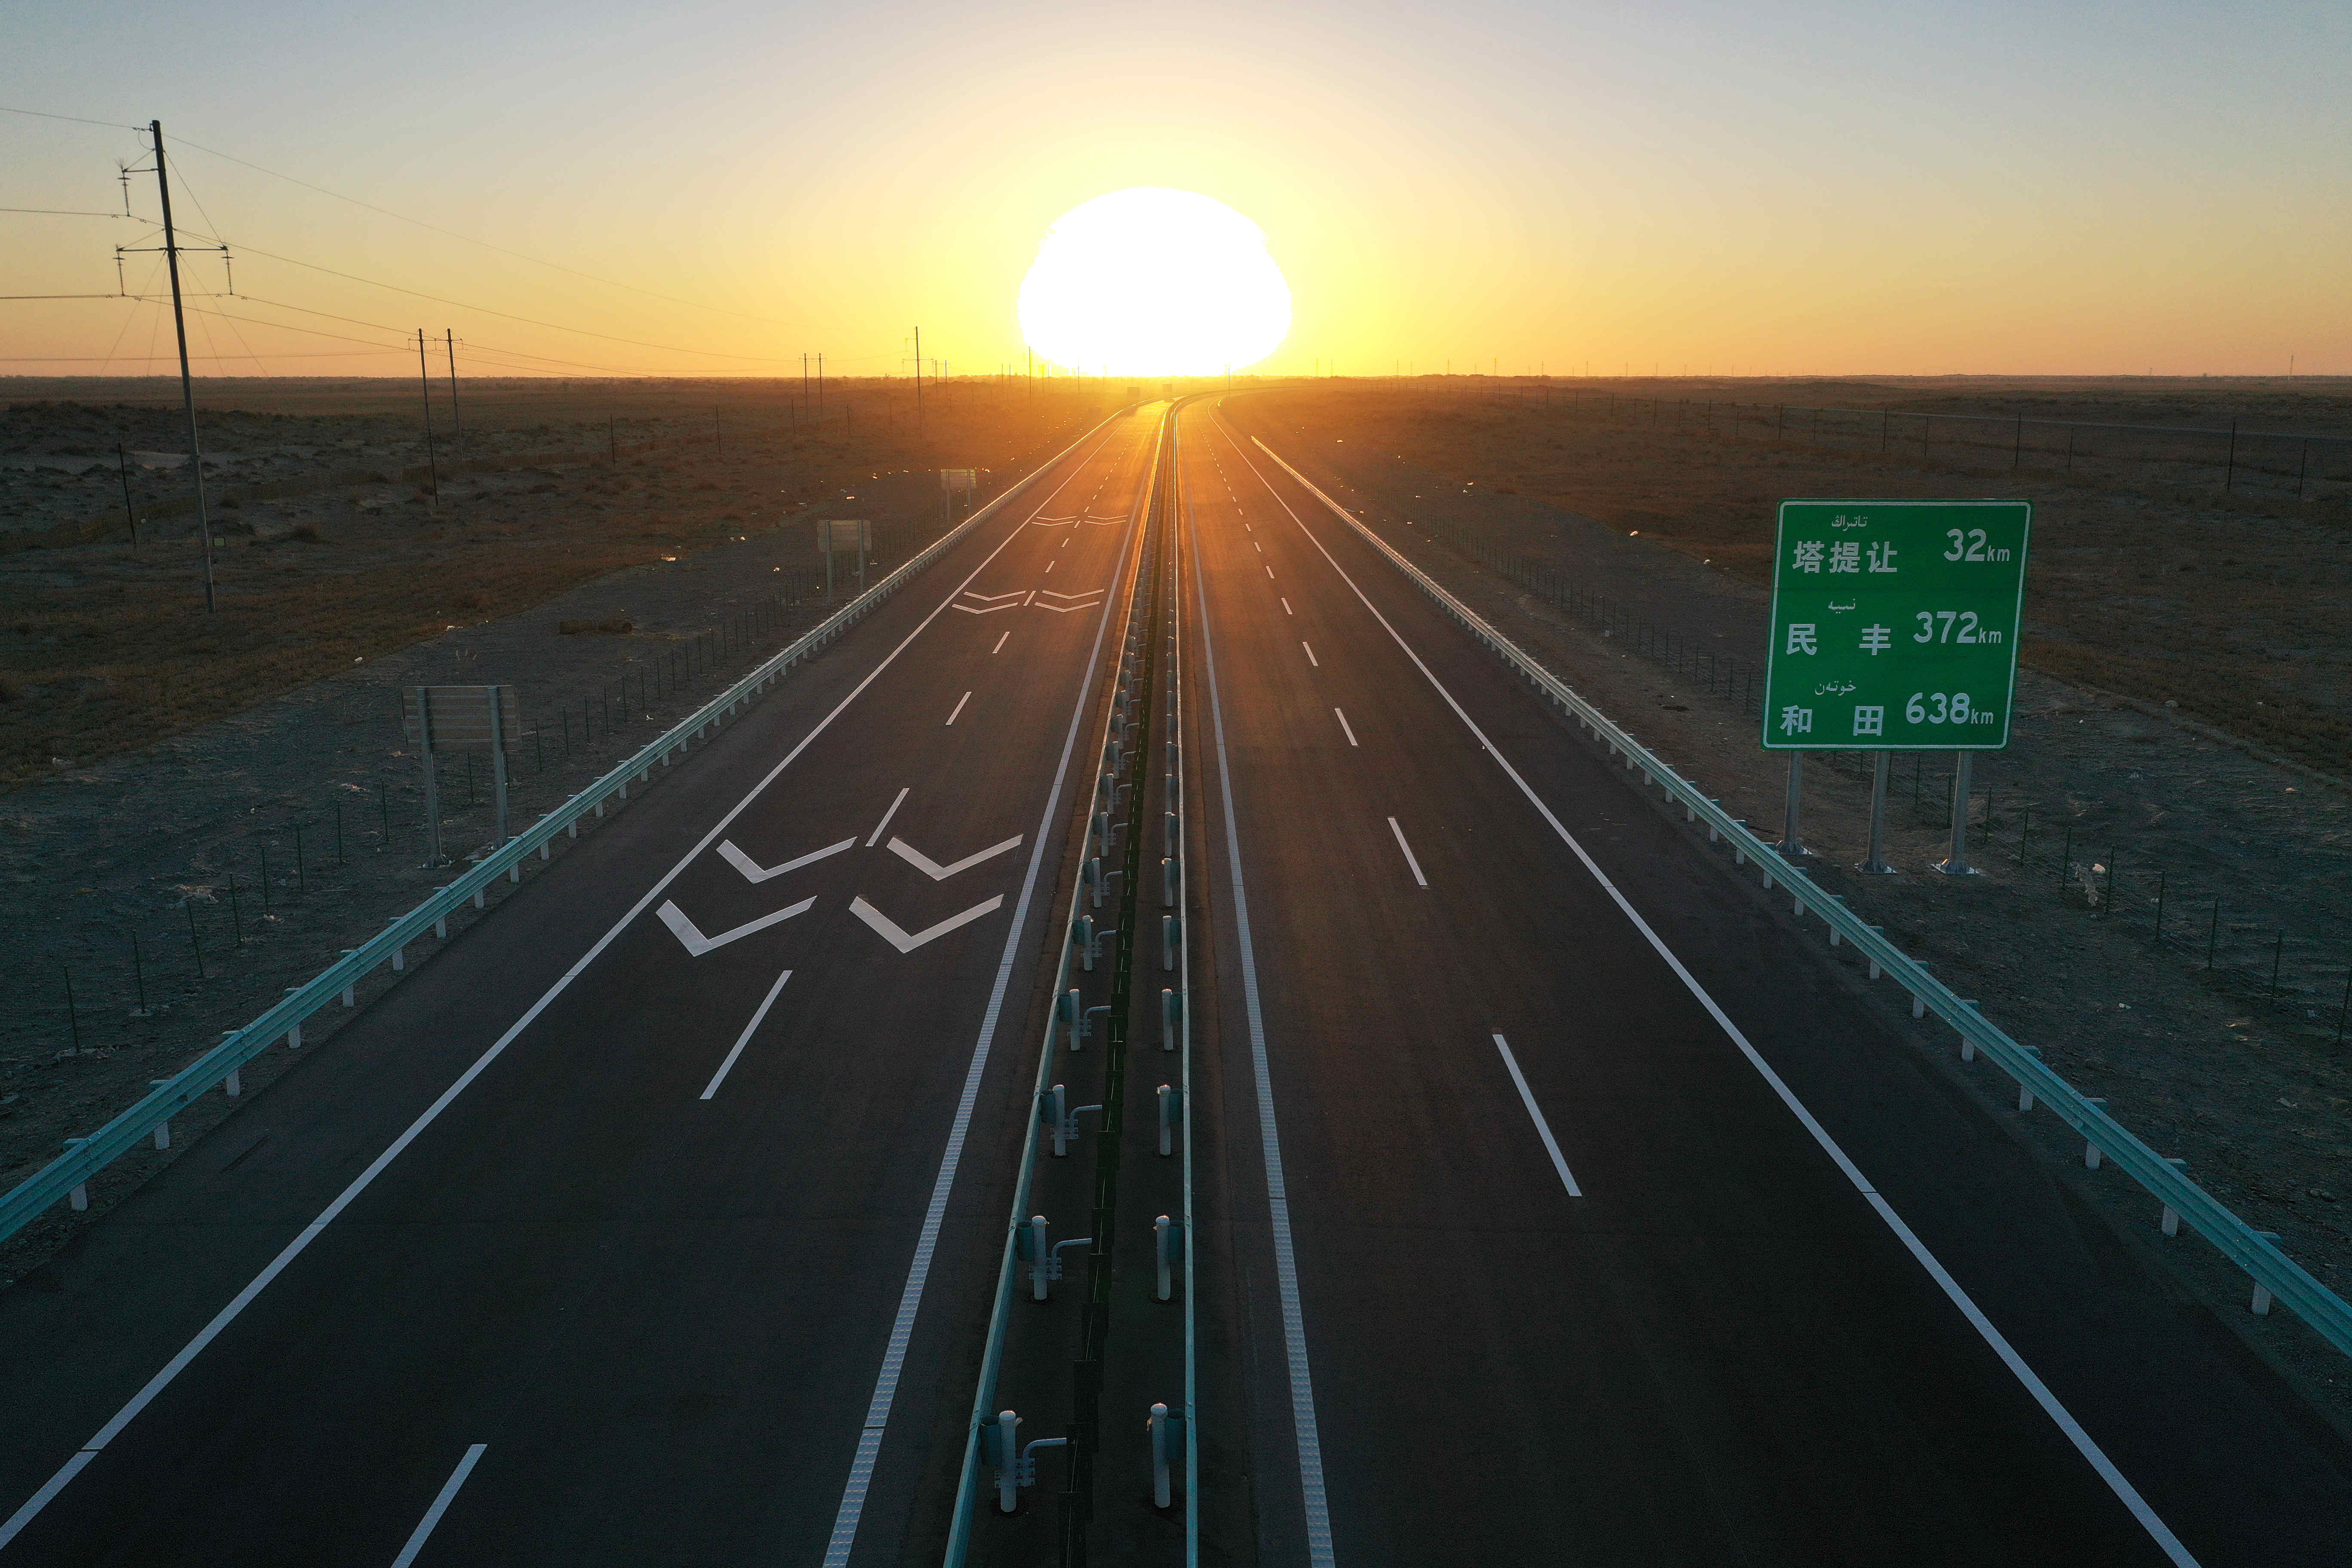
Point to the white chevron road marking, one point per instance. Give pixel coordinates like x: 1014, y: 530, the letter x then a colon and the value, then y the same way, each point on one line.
x: 687, y: 931
x: 939, y: 873
x: 896, y: 934
x: 754, y: 872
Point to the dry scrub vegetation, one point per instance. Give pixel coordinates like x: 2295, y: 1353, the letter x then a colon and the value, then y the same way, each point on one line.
x: 330, y: 553
x: 2150, y: 583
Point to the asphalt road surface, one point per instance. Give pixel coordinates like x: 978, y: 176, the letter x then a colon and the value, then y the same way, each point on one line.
x: 611, y: 1226
x: 1579, y: 1212
x: 1559, y: 1201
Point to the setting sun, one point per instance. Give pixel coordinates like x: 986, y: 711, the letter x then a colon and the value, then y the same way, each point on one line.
x: 1154, y: 282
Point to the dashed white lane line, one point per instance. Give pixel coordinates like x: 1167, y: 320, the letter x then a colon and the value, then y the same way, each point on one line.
x: 874, y: 837
x: 1346, y: 728
x: 1269, y: 572
x: 745, y: 1038
x: 1551, y: 1144
x: 1286, y: 606
x: 1050, y: 566
x: 1311, y: 653
x: 959, y: 707
x: 1000, y: 643
x: 2063, y: 1418
x: 440, y: 1505
x: 1408, y: 852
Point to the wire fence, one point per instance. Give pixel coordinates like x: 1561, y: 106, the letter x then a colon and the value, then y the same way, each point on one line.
x: 2270, y: 464
x: 235, y: 885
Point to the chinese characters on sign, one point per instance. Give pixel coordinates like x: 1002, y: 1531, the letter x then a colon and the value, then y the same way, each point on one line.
x: 1894, y: 624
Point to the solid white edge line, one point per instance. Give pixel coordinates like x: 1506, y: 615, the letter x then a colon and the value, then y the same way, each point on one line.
x: 1408, y: 852
x: 440, y: 1505
x: 1278, y: 1197
x: 902, y: 1326
x: 745, y: 1038
x: 1347, y: 728
x: 959, y: 707
x: 895, y: 803
x: 360, y: 1183
x: 2161, y: 1532
x: 1528, y: 1098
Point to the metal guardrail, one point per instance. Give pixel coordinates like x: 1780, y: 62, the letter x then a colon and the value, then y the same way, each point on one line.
x: 70, y: 1174
x: 2275, y: 1275
x: 1074, y: 939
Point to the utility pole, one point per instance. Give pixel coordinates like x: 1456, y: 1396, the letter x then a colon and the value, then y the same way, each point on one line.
x: 424, y: 380
x: 820, y: 391
x: 804, y: 378
x: 918, y: 381
x: 458, y: 424
x: 187, y: 386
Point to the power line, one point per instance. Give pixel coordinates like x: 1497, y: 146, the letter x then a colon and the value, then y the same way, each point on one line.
x: 74, y: 118
x: 486, y: 245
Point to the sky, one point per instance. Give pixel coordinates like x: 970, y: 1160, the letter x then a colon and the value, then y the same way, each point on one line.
x: 1753, y: 188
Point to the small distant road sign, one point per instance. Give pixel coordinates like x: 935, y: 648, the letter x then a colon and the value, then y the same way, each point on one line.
x: 851, y: 533
x: 957, y: 481
x: 461, y: 718
x: 1894, y: 625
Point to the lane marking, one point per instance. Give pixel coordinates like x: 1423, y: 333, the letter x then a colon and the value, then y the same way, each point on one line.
x: 745, y: 1038
x: 999, y: 642
x: 959, y: 707
x: 754, y: 873
x: 897, y: 936
x: 440, y: 1505
x: 2127, y: 1494
x: 697, y: 944
x: 989, y: 598
x: 1257, y: 546
x: 939, y: 873
x: 228, y: 1314
x: 1527, y: 1096
x: 1349, y: 728
x: 1309, y: 1435
x: 991, y: 610
x: 1269, y: 572
x: 1408, y: 852
x: 899, y: 800
x: 1051, y: 564
x: 918, y: 1269
x: 1074, y: 594
x: 1311, y: 653
x: 1285, y: 605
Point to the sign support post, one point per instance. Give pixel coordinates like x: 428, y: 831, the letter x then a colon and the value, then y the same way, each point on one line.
x: 431, y: 790
x: 1958, y: 864
x: 1874, y: 862
x: 1792, y: 844
x: 499, y: 760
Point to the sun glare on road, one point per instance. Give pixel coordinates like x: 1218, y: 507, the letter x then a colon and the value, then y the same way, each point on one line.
x: 1154, y: 282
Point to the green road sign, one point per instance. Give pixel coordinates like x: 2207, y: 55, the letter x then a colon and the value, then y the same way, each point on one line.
x: 1894, y: 625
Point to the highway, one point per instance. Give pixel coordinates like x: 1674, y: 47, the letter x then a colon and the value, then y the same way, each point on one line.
x: 1578, y: 1208
x: 1554, y: 1198
x: 631, y: 1228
